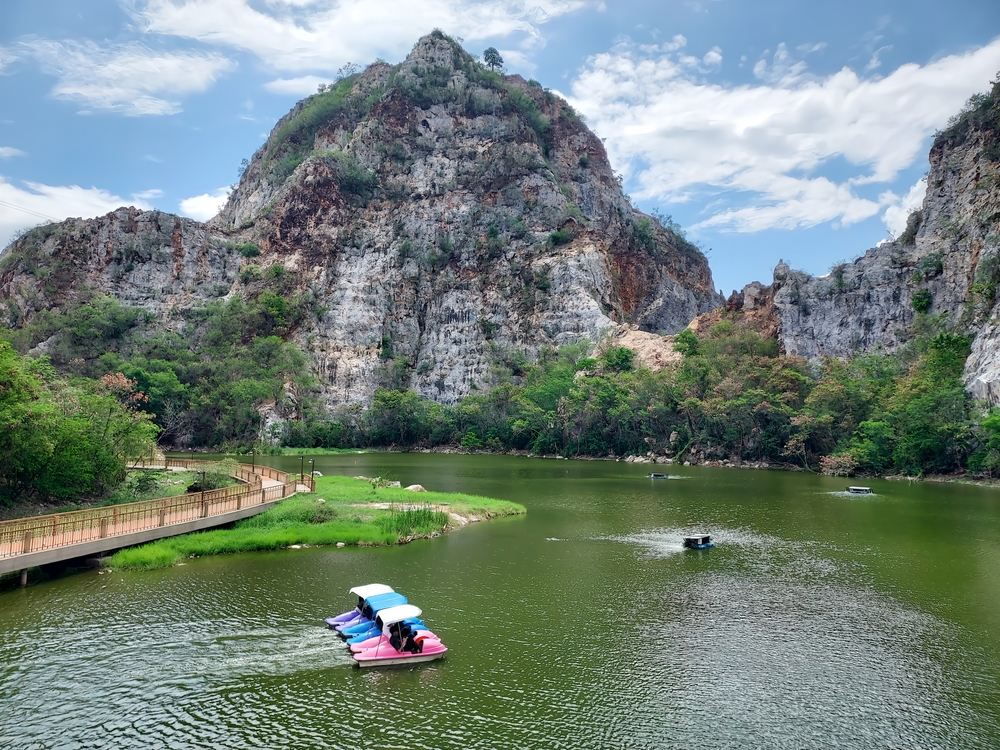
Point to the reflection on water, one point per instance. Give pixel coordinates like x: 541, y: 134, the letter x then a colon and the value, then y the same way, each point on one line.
x: 810, y: 624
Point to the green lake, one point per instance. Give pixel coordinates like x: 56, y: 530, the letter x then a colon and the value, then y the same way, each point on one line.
x: 819, y: 620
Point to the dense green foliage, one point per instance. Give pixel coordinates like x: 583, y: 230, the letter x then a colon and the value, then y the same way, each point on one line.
x: 732, y: 397
x: 203, y: 385
x: 351, y: 511
x: 65, y: 439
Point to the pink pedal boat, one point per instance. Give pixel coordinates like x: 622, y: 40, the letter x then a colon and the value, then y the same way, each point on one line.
x: 412, y: 648
x: 379, y: 640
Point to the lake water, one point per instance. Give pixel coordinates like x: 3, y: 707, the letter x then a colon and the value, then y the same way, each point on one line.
x: 818, y: 620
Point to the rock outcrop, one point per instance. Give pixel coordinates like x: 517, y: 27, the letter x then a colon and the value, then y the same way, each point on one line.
x: 149, y: 259
x: 652, y: 351
x: 435, y: 215
x: 947, y: 261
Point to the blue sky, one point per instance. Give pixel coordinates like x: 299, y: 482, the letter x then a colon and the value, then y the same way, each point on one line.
x: 768, y: 129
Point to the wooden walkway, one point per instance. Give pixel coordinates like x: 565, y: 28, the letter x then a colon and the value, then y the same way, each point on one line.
x: 39, y: 540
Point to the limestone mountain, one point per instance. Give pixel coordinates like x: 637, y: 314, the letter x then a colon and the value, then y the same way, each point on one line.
x: 428, y: 219
x: 947, y: 261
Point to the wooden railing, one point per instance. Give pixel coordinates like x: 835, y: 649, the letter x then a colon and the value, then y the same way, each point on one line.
x: 25, y: 535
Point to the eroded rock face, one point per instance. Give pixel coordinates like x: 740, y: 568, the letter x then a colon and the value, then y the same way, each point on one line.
x: 869, y: 303
x: 945, y: 262
x: 652, y: 351
x: 436, y: 215
x: 148, y: 259
x: 453, y: 254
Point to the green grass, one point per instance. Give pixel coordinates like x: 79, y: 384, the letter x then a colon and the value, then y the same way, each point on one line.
x: 353, y: 512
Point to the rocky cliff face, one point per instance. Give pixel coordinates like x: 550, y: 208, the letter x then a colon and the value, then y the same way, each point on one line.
x: 436, y: 214
x: 159, y: 262
x: 947, y: 261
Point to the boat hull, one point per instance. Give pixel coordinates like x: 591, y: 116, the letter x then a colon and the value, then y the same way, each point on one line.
x: 390, y: 657
x: 396, y: 661
x: 342, y: 619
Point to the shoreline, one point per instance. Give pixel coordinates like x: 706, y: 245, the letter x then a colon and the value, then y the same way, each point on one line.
x: 344, y: 512
x: 955, y: 478
x: 33, y: 508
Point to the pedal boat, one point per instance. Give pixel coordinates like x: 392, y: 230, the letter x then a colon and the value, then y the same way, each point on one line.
x: 362, y: 592
x: 860, y: 490
x: 373, y: 630
x: 656, y: 475
x: 698, y: 541
x: 372, y: 606
x: 384, y: 655
x: 375, y: 640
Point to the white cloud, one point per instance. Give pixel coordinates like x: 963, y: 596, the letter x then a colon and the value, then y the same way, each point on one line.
x: 40, y: 204
x: 128, y: 78
x: 296, y: 86
x: 875, y: 62
x: 7, y: 152
x: 203, y: 207
x: 900, y: 208
x: 303, y: 36
x: 713, y: 58
x: 146, y: 195
x: 763, y: 147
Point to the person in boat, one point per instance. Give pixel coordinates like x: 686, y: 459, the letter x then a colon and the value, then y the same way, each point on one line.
x: 366, y: 609
x: 402, y: 638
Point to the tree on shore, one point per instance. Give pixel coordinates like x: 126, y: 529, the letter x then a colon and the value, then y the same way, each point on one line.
x: 63, y: 440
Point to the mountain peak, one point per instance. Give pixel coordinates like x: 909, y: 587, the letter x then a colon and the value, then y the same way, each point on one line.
x: 435, y: 217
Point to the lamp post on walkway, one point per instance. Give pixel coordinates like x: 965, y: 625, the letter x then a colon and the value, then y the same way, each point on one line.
x: 312, y: 468
x: 302, y: 465
x: 253, y: 461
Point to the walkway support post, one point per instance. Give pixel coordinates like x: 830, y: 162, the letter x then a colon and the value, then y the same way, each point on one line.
x: 24, y: 577
x: 204, y: 507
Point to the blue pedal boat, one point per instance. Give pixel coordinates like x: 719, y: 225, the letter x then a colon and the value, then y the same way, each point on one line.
x: 698, y: 541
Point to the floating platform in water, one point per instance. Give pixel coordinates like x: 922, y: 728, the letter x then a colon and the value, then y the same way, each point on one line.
x: 860, y: 491
x: 698, y: 541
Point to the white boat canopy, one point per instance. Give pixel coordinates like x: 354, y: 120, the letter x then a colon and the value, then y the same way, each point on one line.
x: 372, y: 589
x: 392, y: 615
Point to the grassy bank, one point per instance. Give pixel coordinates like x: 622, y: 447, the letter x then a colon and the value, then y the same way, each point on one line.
x: 352, y: 511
